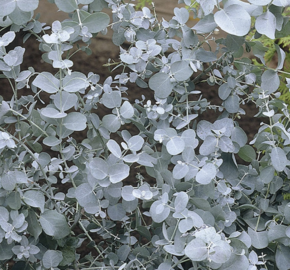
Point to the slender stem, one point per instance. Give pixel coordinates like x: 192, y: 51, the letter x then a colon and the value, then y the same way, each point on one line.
x: 30, y: 122
x: 90, y: 238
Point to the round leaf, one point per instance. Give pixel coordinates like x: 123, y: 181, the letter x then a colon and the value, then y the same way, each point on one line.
x: 27, y: 5
x: 54, y: 224
x: 279, y: 159
x: 75, y: 121
x: 96, y: 22
x: 233, y: 20
x: 64, y: 101
x: 52, y: 113
x: 7, y: 7
x: 99, y: 168
x: 206, y: 174
x: 247, y: 153
x: 116, y: 212
x: 135, y: 143
x: 196, y: 250
x: 160, y: 83
x: 66, y: 5
x: 180, y: 170
x: 51, y: 259
x: 270, y: 81
x: 232, y: 104
x: 259, y: 239
x: 34, y: 198
x: 127, y: 110
x: 111, y: 122
x: 175, y: 145
x: 118, y: 172
x: 114, y: 148
x: 181, y: 70
x: 46, y: 82
x: 181, y: 201
x: 75, y: 82
x: 112, y: 99
x: 266, y: 24
x: 159, y: 212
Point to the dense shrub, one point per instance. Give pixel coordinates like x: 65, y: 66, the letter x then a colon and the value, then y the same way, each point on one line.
x: 204, y: 196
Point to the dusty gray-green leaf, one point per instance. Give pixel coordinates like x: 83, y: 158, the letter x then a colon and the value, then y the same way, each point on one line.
x: 282, y: 257
x: 20, y: 17
x: 260, y: 2
x: 205, y: 25
x: 114, y: 148
x: 247, y: 153
x: 281, y: 57
x: 4, y: 214
x: 267, y: 174
x: 208, y: 146
x: 54, y: 224
x: 127, y: 110
x: 123, y: 252
x: 204, y: 129
x: 34, y: 227
x: 46, y: 82
x: 224, y: 91
x: 50, y: 112
x: 34, y: 198
x: 4, y: 108
x: 66, y: 5
x: 196, y: 250
x: 85, y: 2
x: 99, y: 168
x: 181, y: 201
x: 111, y: 122
x: 159, y: 212
x: 236, y: 262
x: 135, y: 143
x: 259, y: 239
x: 232, y: 104
x: 127, y: 193
x: 75, y: 82
x: 7, y: 7
x: 118, y: 172
x: 270, y: 81
x: 6, y: 251
x: 206, y: 174
x: 112, y: 99
x: 8, y: 181
x: 239, y: 136
x: 266, y: 24
x: 181, y: 15
x: 279, y: 159
x: 116, y: 212
x: 96, y: 22
x: 27, y: 5
x: 161, y: 84
x: 234, y: 20
x: 85, y: 196
x: 175, y: 145
x: 64, y: 101
x: 180, y: 170
x: 51, y: 141
x: 185, y: 225
x: 52, y: 258
x: 181, y: 70
x: 75, y: 121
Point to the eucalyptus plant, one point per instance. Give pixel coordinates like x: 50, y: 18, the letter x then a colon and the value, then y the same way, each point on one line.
x: 205, y: 196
